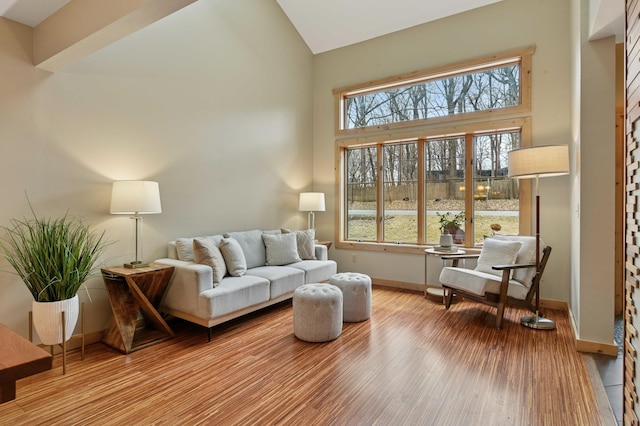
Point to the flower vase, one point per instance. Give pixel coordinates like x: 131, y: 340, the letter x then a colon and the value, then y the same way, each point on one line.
x: 446, y: 239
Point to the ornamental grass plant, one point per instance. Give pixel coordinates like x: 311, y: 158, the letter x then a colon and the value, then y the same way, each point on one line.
x: 53, y: 256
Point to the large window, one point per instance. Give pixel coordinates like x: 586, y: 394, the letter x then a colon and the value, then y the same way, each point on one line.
x: 395, y: 186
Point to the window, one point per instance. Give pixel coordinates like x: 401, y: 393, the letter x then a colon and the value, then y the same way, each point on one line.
x: 478, y: 88
x: 395, y: 186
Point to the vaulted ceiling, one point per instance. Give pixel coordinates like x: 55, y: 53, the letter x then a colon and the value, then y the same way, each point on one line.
x: 330, y: 24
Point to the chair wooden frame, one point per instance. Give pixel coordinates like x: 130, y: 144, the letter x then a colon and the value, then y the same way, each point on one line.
x: 500, y: 300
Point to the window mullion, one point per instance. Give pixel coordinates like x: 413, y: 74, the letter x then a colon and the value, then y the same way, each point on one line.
x: 380, y: 194
x: 422, y: 196
x: 468, y: 193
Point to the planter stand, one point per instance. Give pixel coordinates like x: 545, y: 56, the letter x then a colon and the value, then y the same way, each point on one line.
x: 64, y: 336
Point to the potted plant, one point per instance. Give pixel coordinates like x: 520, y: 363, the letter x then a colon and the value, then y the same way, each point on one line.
x: 449, y: 224
x: 53, y: 257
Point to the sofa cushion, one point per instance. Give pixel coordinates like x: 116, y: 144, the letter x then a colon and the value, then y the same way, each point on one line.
x: 496, y: 252
x: 316, y: 271
x: 233, y: 294
x: 206, y: 252
x: 233, y: 257
x: 479, y: 282
x: 305, y: 243
x: 252, y: 246
x: 281, y: 249
x: 284, y: 279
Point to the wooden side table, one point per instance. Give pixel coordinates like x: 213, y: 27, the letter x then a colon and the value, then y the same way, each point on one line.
x: 326, y: 243
x: 135, y: 292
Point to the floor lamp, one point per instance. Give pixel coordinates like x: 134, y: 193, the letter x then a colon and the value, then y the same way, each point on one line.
x: 311, y: 202
x: 536, y: 162
x: 135, y: 197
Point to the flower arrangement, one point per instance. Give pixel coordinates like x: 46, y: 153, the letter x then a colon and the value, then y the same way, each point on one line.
x: 495, y: 227
x: 450, y: 222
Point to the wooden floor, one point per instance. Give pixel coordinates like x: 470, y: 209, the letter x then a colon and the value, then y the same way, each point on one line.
x: 412, y: 363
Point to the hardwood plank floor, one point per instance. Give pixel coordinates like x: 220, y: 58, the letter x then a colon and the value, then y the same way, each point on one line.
x: 412, y: 363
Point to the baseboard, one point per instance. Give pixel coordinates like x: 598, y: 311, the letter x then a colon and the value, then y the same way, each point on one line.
x: 401, y: 285
x: 588, y: 346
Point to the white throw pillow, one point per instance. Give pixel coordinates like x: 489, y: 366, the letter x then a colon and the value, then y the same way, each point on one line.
x: 233, y: 257
x: 495, y: 252
x: 206, y: 252
x: 281, y: 249
x: 305, y: 243
x: 184, y: 249
x: 527, y: 254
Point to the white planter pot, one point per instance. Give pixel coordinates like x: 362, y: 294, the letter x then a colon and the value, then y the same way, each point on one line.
x: 47, y: 319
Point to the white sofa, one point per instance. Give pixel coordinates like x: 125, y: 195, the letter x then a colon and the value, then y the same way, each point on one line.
x: 194, y: 295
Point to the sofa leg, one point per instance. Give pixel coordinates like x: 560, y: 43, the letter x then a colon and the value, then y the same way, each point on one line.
x: 209, y: 334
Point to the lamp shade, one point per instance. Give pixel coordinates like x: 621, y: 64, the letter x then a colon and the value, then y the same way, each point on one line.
x: 135, y: 197
x: 539, y: 161
x: 311, y: 202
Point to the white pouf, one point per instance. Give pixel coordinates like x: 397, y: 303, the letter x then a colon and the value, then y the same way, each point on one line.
x: 317, y: 312
x: 356, y: 293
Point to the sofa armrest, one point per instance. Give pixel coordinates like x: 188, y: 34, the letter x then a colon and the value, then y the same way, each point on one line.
x: 189, y: 280
x: 321, y: 252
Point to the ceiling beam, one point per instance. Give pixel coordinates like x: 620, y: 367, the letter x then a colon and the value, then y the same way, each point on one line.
x: 85, y: 26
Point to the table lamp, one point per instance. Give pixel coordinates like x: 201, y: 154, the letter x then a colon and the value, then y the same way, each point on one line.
x: 311, y: 202
x: 135, y: 197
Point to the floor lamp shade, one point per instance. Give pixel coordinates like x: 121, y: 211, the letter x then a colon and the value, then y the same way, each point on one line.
x: 311, y: 202
x: 536, y: 162
x: 136, y: 197
x: 539, y: 161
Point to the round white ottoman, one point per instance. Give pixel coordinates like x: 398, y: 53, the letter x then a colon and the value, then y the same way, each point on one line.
x: 317, y: 312
x: 356, y: 293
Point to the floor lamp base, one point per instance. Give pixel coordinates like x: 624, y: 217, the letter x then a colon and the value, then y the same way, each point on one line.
x: 537, y: 322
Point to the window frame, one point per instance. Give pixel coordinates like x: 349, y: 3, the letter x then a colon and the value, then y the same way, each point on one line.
x: 469, y: 124
x: 522, y: 124
x: 522, y: 56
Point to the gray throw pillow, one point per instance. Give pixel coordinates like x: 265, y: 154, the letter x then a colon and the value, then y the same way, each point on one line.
x: 305, y: 243
x: 281, y: 249
x: 233, y: 257
x: 252, y: 246
x: 206, y: 252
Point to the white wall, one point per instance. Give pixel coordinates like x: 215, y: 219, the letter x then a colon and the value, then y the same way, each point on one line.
x: 498, y: 27
x: 213, y: 102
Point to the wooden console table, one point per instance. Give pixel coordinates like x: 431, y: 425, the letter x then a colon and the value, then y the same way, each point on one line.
x: 19, y: 358
x: 135, y: 292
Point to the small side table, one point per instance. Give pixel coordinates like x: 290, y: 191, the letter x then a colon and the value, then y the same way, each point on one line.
x: 433, y: 290
x: 326, y: 243
x: 135, y: 292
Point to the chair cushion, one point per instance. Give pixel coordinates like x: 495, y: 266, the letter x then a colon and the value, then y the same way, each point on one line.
x: 527, y: 254
x: 477, y: 282
x: 497, y: 252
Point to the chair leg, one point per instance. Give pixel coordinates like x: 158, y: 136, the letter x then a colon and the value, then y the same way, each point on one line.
x: 448, y: 297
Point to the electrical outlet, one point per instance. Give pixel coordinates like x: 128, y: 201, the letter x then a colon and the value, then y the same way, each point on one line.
x: 354, y: 258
